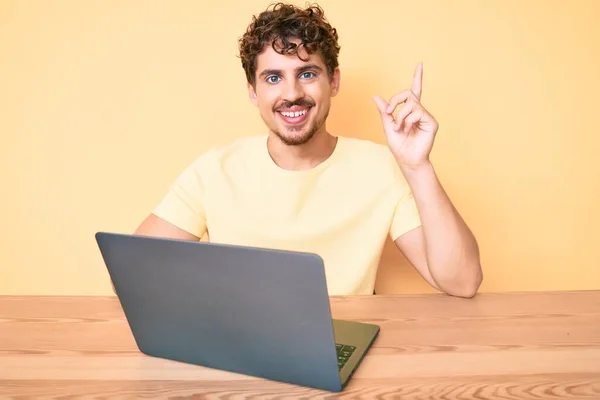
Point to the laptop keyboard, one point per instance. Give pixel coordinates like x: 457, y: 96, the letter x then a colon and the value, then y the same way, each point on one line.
x: 344, y: 352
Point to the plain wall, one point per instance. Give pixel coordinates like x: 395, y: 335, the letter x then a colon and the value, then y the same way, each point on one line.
x: 103, y: 103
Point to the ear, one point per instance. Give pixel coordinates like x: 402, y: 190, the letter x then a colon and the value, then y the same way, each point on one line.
x: 335, y: 82
x: 252, y: 94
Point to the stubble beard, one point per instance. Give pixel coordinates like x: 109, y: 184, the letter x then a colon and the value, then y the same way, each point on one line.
x: 301, y: 139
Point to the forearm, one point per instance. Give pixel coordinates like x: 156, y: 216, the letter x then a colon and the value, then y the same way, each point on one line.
x: 451, y: 248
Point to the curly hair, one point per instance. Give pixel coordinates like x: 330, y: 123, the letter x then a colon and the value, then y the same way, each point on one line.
x: 284, y: 22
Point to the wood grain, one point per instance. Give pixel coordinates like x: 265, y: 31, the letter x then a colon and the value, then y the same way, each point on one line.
x: 495, y: 346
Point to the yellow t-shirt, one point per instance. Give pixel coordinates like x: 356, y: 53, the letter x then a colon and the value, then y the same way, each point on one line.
x: 343, y: 209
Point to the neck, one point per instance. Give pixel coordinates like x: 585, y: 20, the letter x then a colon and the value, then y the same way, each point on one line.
x: 301, y: 157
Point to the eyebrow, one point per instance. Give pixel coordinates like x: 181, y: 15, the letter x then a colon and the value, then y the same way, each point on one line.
x: 297, y: 70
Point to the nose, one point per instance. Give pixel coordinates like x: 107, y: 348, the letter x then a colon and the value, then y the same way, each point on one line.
x: 292, y: 91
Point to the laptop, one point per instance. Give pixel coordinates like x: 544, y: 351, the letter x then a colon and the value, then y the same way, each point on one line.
x: 253, y: 311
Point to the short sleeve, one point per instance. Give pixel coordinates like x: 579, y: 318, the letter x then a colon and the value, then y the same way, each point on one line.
x: 183, y: 205
x: 406, y: 214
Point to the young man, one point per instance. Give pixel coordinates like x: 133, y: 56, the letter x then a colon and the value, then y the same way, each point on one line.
x: 301, y: 188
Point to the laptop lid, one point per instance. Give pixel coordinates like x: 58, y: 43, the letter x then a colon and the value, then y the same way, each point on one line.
x: 247, y: 310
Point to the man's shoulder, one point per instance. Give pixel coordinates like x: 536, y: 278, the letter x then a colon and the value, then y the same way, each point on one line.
x: 239, y: 149
x: 241, y: 145
x: 368, y: 161
x: 367, y: 150
x: 365, y: 145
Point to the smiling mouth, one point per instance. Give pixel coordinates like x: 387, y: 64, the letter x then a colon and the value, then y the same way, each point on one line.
x: 294, y: 117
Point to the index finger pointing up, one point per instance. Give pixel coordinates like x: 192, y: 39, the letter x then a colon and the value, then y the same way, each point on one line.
x: 418, y: 81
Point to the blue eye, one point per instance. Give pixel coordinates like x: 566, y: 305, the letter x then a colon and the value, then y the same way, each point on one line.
x: 272, y: 79
x: 307, y: 75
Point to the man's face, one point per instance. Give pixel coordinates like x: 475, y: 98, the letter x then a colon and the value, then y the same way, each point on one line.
x: 293, y: 96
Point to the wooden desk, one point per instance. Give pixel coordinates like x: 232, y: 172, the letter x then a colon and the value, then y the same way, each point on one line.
x: 495, y: 346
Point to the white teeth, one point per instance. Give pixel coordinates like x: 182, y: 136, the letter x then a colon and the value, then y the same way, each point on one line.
x: 293, y: 114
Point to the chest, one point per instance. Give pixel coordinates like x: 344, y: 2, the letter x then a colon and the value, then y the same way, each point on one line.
x: 276, y: 213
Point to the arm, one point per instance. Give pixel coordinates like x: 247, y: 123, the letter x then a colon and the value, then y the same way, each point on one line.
x: 158, y: 227
x: 443, y: 250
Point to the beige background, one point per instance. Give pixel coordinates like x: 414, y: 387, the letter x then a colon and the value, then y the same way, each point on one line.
x: 103, y: 103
